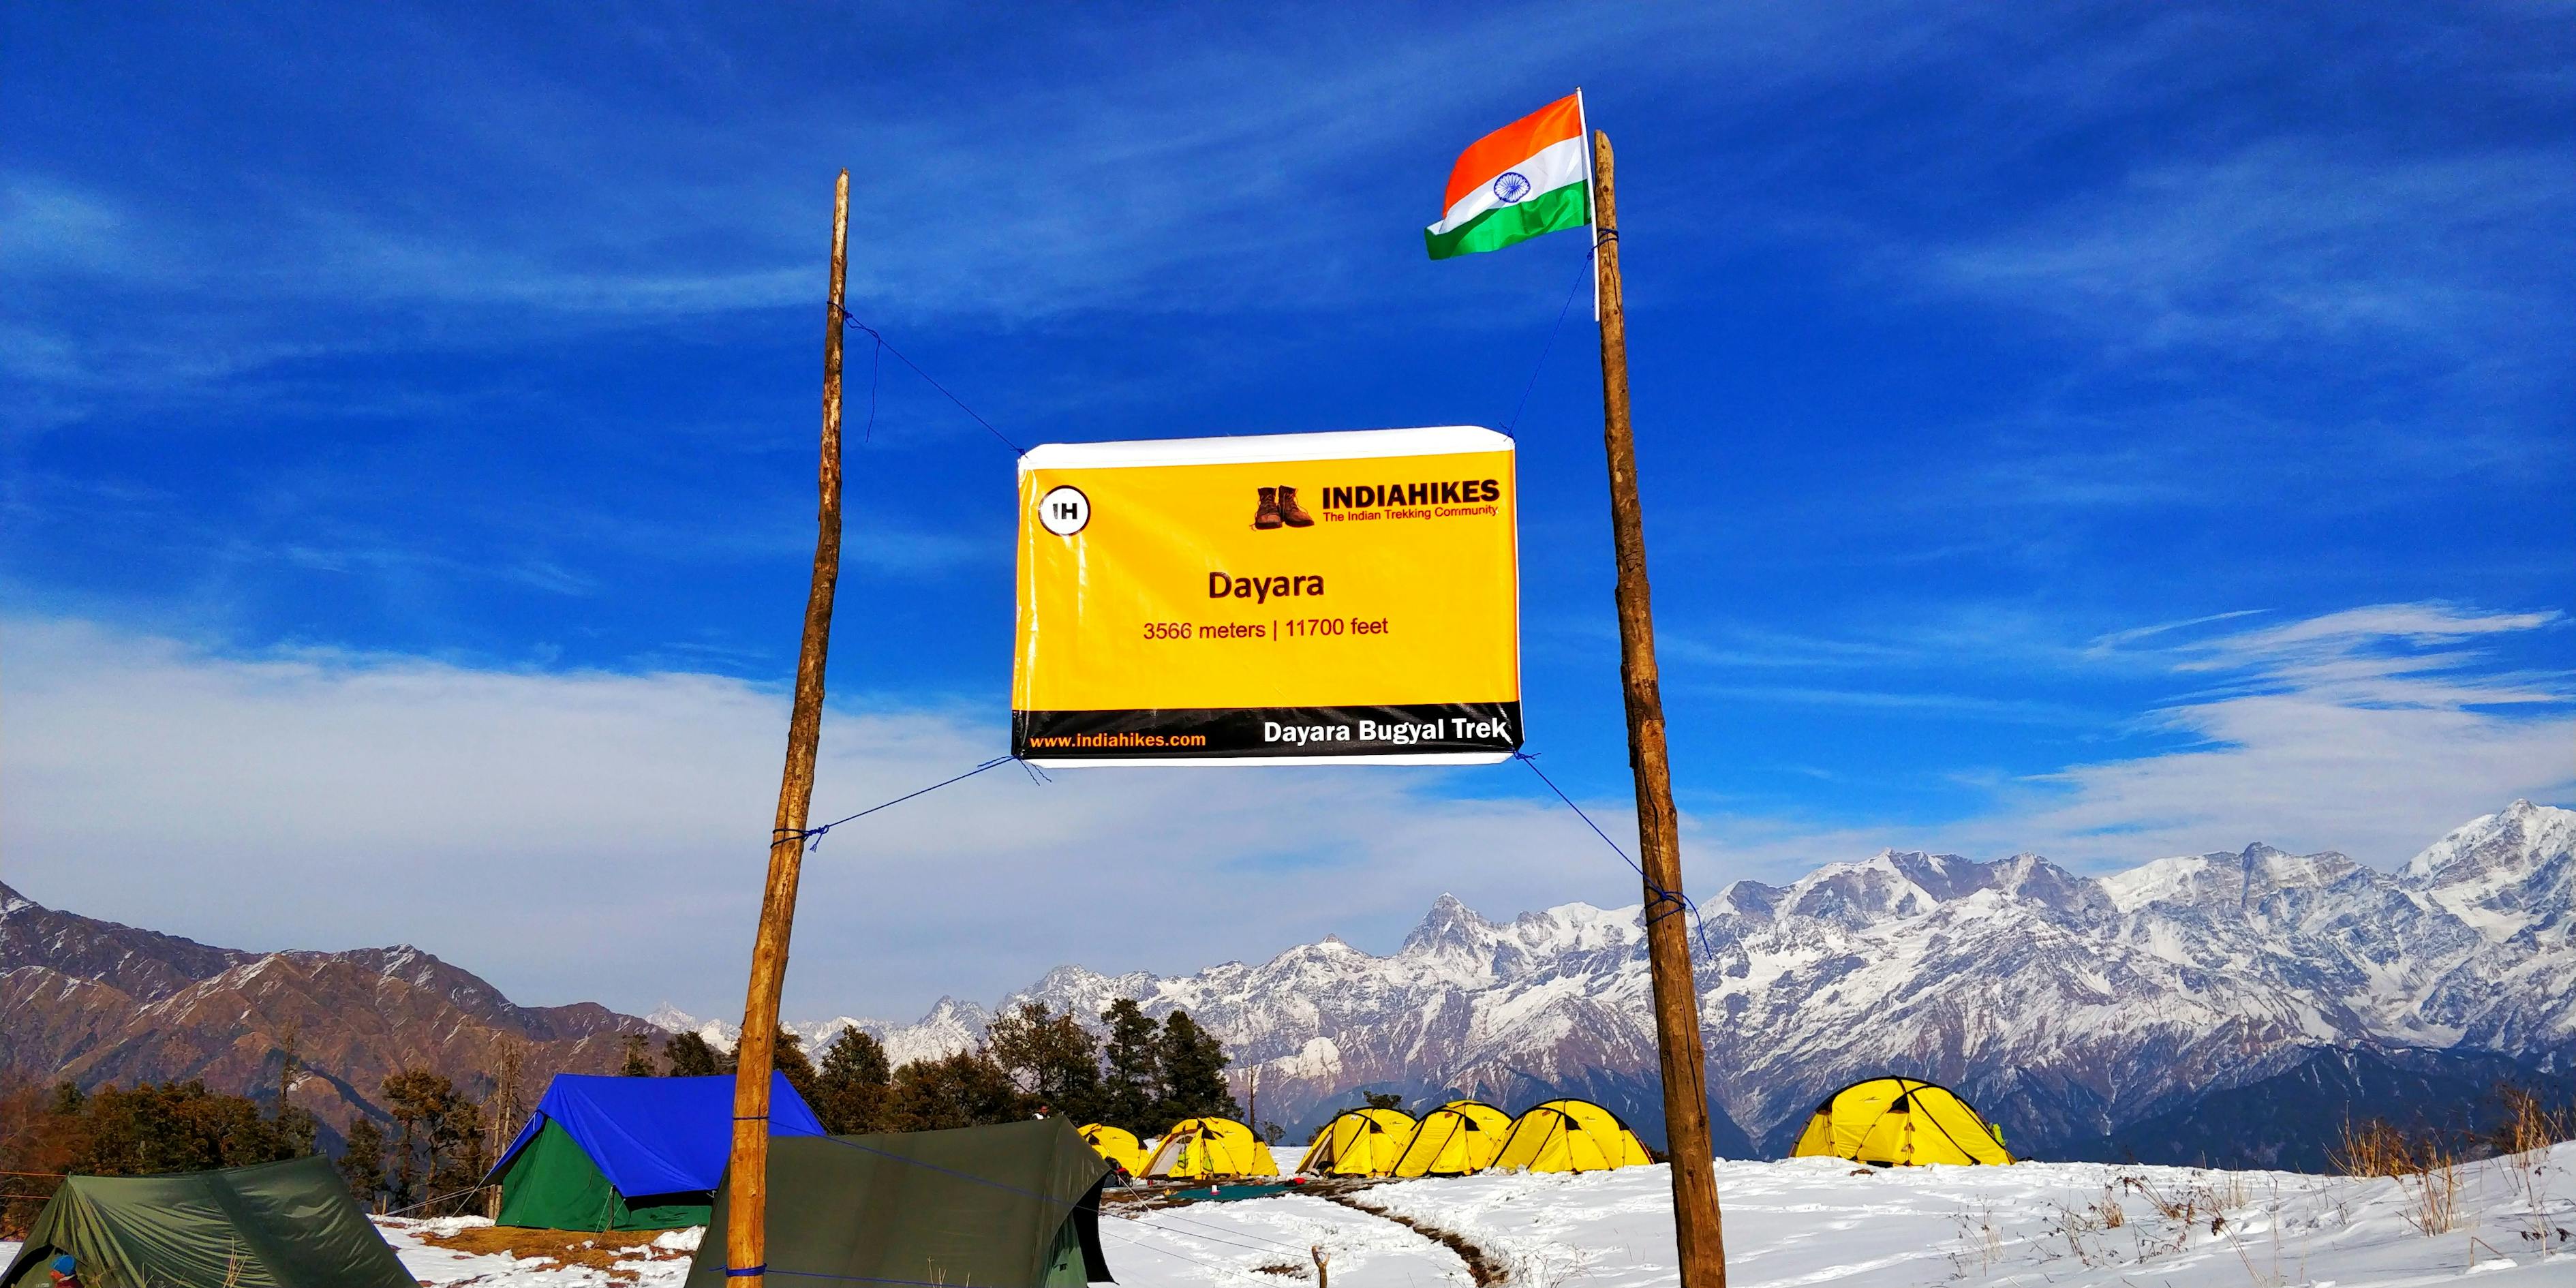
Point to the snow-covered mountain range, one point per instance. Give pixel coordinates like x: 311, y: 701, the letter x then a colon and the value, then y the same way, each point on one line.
x: 2070, y: 1007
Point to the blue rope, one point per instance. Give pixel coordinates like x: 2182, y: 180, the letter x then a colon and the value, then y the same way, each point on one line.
x: 813, y: 836
x: 1672, y: 902
x: 1550, y: 346
x: 888, y: 346
x: 876, y: 359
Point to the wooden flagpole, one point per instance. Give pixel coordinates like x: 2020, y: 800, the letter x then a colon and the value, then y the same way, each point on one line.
x: 1659, y: 846
x: 747, y: 1194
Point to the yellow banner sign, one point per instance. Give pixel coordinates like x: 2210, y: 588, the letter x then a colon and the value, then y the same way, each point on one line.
x: 1289, y: 597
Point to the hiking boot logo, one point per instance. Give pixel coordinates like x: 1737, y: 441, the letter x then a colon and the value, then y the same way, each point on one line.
x: 1279, y: 509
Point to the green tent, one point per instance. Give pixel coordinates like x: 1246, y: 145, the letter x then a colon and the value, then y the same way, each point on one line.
x: 270, y: 1225
x: 1012, y: 1206
x: 609, y: 1153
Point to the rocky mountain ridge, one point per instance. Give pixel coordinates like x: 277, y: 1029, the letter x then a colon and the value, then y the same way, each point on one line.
x: 2071, y: 1007
x: 96, y: 1002
x: 2089, y: 1014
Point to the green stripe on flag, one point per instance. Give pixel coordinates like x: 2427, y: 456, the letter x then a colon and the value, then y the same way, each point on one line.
x: 1503, y: 225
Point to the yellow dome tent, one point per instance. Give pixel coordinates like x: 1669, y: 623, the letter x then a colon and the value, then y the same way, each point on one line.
x: 1570, y: 1136
x: 1359, y: 1142
x: 1900, y: 1122
x: 1118, y: 1145
x: 1203, y: 1149
x: 1460, y: 1137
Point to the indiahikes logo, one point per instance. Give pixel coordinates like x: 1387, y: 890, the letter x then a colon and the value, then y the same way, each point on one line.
x: 1279, y: 509
x: 1441, y: 492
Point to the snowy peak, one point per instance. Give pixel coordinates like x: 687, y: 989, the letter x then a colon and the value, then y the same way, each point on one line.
x: 671, y: 1019
x: 1450, y: 926
x: 2220, y: 880
x: 1575, y: 927
x: 2511, y: 844
x: 2173, y: 880
x: 2267, y: 869
x: 1746, y: 899
x: 2505, y: 873
x: 1891, y: 883
x: 2032, y: 879
x: 1456, y: 940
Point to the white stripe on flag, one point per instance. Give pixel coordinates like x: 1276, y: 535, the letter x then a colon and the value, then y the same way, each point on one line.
x: 1555, y: 166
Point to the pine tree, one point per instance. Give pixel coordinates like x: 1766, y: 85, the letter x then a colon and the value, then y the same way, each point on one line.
x: 364, y: 1162
x: 638, y: 1058
x: 506, y: 1108
x: 787, y: 1055
x: 439, y: 1152
x: 1131, y: 1084
x: 856, y: 1057
x: 296, y: 1129
x: 1193, y: 1065
x: 691, y: 1056
x: 173, y: 1127
x: 1383, y: 1099
x: 1053, y: 1059
x: 963, y: 1090
x: 851, y: 1086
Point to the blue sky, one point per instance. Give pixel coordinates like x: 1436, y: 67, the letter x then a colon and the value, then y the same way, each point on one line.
x: 2112, y: 431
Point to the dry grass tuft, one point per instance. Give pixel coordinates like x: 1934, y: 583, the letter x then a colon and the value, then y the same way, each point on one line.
x: 2530, y: 1124
x: 2373, y: 1148
x: 593, y: 1250
x: 2425, y: 1163
x: 2530, y: 1127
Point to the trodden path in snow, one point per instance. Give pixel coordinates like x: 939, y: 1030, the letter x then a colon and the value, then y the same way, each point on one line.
x: 1266, y: 1243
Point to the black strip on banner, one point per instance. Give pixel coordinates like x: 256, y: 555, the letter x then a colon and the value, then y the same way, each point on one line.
x: 1254, y: 732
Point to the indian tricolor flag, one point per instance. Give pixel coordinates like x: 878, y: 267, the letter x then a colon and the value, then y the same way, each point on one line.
x: 1524, y: 179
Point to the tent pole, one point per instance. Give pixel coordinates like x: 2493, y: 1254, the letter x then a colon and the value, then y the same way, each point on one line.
x: 1695, y: 1211
x: 747, y: 1194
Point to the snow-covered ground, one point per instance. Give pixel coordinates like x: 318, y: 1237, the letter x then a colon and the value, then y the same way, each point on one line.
x: 1819, y: 1221
x: 1788, y: 1225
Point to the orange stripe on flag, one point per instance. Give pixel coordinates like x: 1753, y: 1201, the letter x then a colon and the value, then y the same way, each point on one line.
x: 1511, y: 145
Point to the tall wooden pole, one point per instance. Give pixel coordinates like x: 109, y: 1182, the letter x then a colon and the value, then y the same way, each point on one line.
x: 1659, y: 842
x: 747, y: 1197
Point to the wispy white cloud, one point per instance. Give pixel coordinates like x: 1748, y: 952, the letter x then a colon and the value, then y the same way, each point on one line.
x: 2286, y: 243
x: 2368, y: 731
x: 598, y: 834
x: 590, y: 834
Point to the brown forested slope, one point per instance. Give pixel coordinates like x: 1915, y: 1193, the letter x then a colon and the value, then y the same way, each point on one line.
x: 97, y: 1002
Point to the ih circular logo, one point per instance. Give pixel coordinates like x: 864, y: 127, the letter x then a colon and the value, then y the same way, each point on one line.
x: 1064, y: 510
x: 1511, y: 186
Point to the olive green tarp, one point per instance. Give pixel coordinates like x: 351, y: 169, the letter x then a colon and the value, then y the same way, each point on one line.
x: 270, y: 1225
x: 1010, y: 1206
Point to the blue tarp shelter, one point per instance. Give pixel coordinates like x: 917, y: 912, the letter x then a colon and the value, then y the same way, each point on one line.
x: 605, y: 1153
